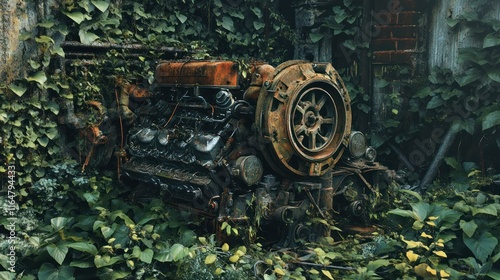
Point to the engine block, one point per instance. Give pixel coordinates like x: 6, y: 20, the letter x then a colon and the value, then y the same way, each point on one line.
x: 214, y: 146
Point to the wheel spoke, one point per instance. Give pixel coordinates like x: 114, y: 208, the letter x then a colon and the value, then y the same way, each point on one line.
x: 327, y: 121
x: 312, y: 142
x: 321, y: 102
x: 299, y: 129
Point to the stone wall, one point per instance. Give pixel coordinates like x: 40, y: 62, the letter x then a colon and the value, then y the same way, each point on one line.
x: 17, y: 18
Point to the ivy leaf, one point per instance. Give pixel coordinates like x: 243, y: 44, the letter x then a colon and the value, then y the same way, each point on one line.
x: 77, y: 17
x: 58, y: 253
x: 257, y: 11
x: 488, y: 210
x: 468, y: 227
x: 258, y: 25
x: 491, y: 120
x: 87, y: 37
x: 315, y: 37
x: 53, y: 107
x: 51, y: 133
x: 48, y: 271
x: 493, y: 73
x: 83, y: 247
x: 182, y: 18
x: 147, y: 255
x: 468, y: 77
x: 59, y: 223
x: 102, y: 261
x: 491, y: 40
x: 43, y: 141
x: 39, y: 77
x: 482, y: 246
x: 100, y: 5
x: 178, y: 251
x: 435, y: 102
x: 19, y: 90
x: 227, y: 23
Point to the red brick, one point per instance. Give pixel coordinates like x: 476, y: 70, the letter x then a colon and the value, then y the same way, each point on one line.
x: 384, y: 18
x: 401, y: 57
x: 383, y: 45
x: 408, y: 18
x: 406, y: 44
x: 383, y: 57
x: 405, y: 31
x: 382, y: 31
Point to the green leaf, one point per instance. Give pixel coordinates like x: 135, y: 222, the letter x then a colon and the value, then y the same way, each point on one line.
x: 210, y: 259
x: 435, y: 102
x: 481, y: 246
x: 43, y: 141
x: 146, y: 255
x: 83, y: 247
x: 258, y: 25
x: 471, y: 75
x: 178, y: 251
x: 77, y: 17
x: 57, y: 252
x: 100, y: 5
x: 400, y: 212
x: 488, y: 210
x: 468, y: 227
x: 19, y: 90
x: 453, y: 162
x: 53, y: 107
x: 87, y: 37
x: 491, y: 40
x: 59, y: 223
x: 39, y: 77
x: 103, y: 261
x: 493, y: 73
x: 315, y: 37
x: 51, y: 133
x: 182, y: 18
x: 227, y: 23
x: 413, y: 193
x: 421, y: 210
x: 48, y: 272
x: 82, y: 264
x: 491, y: 120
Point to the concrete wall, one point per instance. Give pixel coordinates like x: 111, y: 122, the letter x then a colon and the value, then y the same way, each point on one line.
x: 445, y: 41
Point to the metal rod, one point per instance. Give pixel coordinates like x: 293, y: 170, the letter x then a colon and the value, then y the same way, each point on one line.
x: 445, y: 146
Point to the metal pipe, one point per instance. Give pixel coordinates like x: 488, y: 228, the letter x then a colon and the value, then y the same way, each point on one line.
x: 445, y: 146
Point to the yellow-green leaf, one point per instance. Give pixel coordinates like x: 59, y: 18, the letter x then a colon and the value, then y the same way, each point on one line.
x: 425, y: 235
x: 412, y: 257
x: 444, y: 274
x: 234, y: 258
x: 279, y: 271
x: 327, y: 274
x: 210, y: 259
x: 440, y: 253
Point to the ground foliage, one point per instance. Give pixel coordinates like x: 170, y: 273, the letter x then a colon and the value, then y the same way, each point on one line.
x: 75, y: 224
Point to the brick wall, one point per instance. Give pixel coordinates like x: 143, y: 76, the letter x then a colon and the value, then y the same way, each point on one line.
x: 395, y: 30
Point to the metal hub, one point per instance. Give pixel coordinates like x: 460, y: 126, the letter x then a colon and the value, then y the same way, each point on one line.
x: 313, y: 120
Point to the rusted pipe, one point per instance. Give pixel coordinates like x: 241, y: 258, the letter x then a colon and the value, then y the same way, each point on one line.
x: 445, y: 146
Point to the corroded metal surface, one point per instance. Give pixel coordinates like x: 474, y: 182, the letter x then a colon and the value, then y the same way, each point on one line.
x: 198, y: 73
x: 303, y: 118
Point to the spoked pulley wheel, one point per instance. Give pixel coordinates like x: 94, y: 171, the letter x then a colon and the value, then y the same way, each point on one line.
x: 303, y: 118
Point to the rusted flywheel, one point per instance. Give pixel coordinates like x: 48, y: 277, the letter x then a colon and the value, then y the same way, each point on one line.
x: 303, y: 118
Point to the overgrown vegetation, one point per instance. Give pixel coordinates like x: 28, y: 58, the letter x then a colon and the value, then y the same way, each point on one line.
x: 81, y: 225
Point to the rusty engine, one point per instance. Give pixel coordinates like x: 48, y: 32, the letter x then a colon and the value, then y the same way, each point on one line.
x: 277, y: 151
